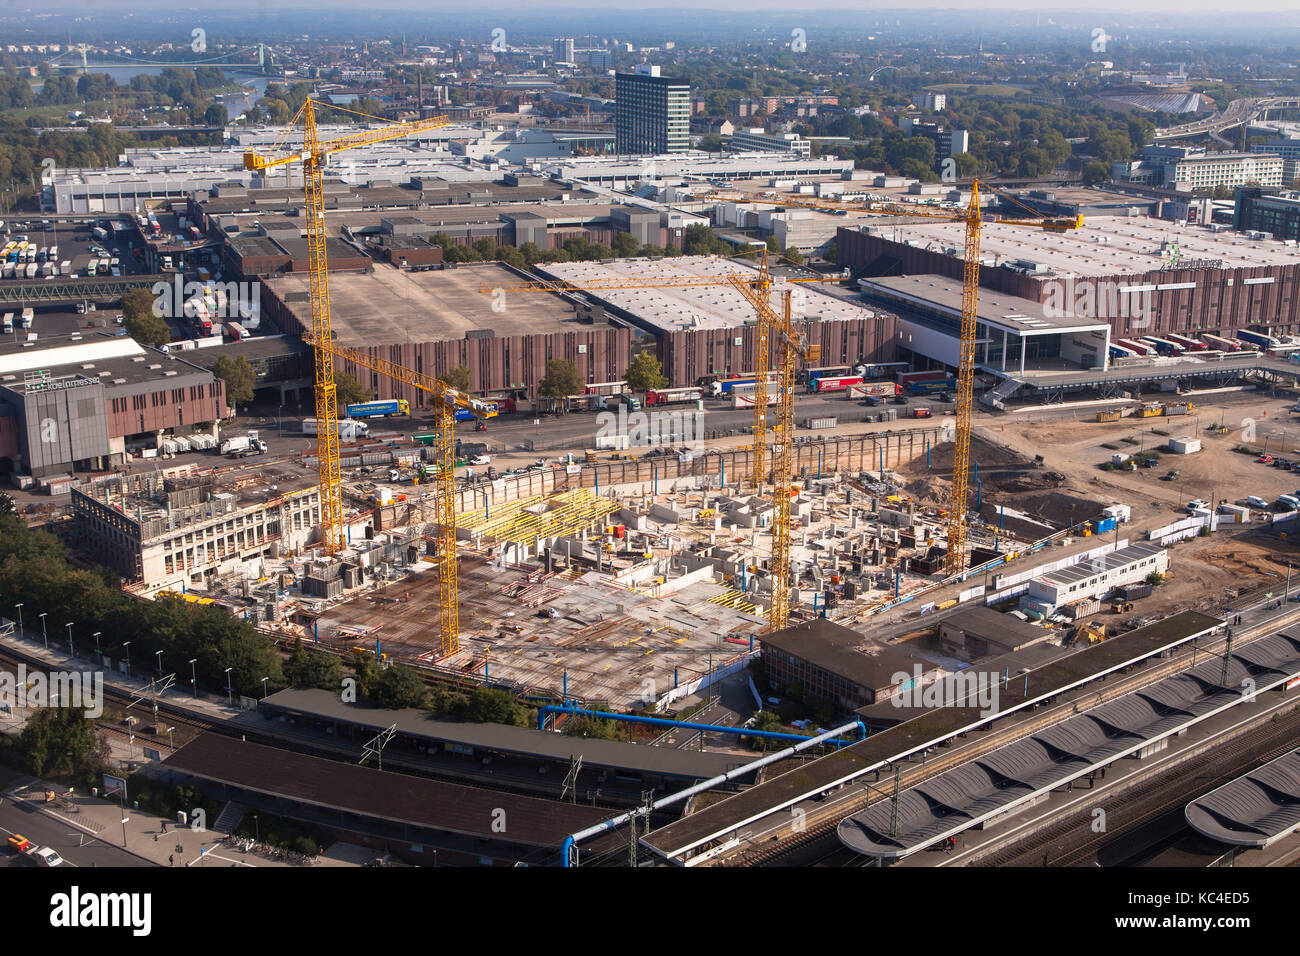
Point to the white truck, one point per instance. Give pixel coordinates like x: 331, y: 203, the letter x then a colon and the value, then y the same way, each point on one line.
x: 100, y: 233
x: 8, y: 327
x: 29, y: 316
x: 349, y: 428
x: 242, y: 446
x: 31, y: 270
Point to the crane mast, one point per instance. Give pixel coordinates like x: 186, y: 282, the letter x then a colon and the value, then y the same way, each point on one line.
x: 327, y: 424
x: 955, y: 560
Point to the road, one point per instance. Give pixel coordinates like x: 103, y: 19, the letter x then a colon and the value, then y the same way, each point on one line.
x: 76, y: 847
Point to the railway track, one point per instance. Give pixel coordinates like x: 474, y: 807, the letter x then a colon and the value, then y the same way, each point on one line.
x: 1059, y: 843
x: 819, y: 826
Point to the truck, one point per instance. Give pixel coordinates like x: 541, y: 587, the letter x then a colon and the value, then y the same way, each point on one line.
x: 100, y: 233
x: 47, y: 269
x: 1192, y: 345
x: 8, y: 324
x: 349, y: 428
x: 906, y: 378
x: 9, y: 270
x: 92, y: 268
x: 723, y: 386
x: 874, y: 390
x: 241, y: 446
x: 1219, y: 343
x: 29, y: 316
x: 380, y: 408
x: 833, y: 384
x: 30, y: 273
x: 1259, y: 340
x: 235, y: 331
x: 932, y: 386
x: 747, y: 399
x: 673, y: 396
x: 920, y: 413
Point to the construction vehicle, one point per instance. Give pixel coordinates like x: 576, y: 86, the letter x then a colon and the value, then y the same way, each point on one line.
x: 1094, y: 632
x: 1121, y: 607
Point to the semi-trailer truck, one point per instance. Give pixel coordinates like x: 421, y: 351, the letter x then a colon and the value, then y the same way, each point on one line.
x: 833, y: 384
x: 349, y: 428
x: 241, y: 446
x: 380, y: 408
x: 672, y: 396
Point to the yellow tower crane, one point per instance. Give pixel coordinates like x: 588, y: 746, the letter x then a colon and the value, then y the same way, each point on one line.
x: 445, y: 402
x: 757, y: 289
x: 314, y: 156
x: 955, y: 560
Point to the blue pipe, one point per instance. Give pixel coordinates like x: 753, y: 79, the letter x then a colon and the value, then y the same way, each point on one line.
x: 543, y: 712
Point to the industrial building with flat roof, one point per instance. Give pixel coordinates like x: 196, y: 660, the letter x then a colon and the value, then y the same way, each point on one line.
x: 435, y: 321
x: 1095, y: 578
x: 837, y: 664
x: 80, y: 402
x: 710, y: 329
x: 1191, y: 278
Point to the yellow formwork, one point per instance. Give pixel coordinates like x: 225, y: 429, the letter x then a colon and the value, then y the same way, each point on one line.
x: 540, y: 516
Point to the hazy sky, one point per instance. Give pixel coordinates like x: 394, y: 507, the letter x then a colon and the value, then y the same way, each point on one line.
x: 459, y: 7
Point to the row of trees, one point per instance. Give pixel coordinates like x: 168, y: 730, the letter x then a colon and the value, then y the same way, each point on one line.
x: 35, y: 572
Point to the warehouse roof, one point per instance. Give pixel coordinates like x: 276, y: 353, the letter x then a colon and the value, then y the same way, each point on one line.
x: 379, y: 794
x: 391, y: 307
x: 844, y: 652
x: 1107, y: 245
x: 505, y: 739
x: 717, y: 306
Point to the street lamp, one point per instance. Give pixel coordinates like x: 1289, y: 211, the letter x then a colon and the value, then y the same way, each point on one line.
x: 127, y: 645
x: 264, y: 680
x: 229, y: 690
x: 44, y: 633
x: 170, y: 743
x: 96, y: 637
x: 194, y: 680
x: 71, y: 651
x: 159, y: 653
x: 19, y: 608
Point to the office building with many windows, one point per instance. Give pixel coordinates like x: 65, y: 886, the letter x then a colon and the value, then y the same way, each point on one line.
x: 652, y: 113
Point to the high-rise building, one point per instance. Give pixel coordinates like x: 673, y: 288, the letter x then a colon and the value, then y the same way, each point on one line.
x: 652, y: 113
x: 1260, y: 210
x: 562, y: 49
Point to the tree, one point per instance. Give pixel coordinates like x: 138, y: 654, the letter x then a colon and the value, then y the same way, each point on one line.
x: 216, y: 115
x: 238, y: 376
x: 583, y: 726
x: 645, y: 373
x: 7, y: 506
x: 457, y: 378
x: 561, y: 380
x: 625, y: 245
x: 140, y: 322
x: 349, y: 391
x: 793, y: 255
x: 61, y: 741
x: 401, y: 686
x: 1095, y: 172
